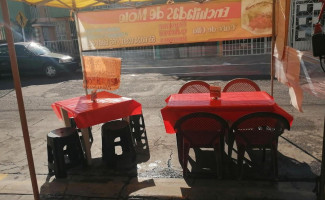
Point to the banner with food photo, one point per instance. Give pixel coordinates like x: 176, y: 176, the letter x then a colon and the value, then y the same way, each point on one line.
x: 175, y: 24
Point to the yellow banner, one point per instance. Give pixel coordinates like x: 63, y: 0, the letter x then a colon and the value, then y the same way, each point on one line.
x: 176, y: 24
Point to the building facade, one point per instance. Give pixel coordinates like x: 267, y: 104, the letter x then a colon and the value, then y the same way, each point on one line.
x: 43, y: 23
x: 304, y: 16
x: 54, y: 28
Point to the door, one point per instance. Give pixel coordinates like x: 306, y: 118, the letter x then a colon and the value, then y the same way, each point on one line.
x: 26, y: 59
x: 4, y: 60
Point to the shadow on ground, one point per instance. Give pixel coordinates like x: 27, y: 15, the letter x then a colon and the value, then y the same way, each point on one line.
x: 257, y: 183
x: 102, y: 178
x: 7, y: 81
x: 123, y: 181
x: 99, y: 181
x: 204, y: 164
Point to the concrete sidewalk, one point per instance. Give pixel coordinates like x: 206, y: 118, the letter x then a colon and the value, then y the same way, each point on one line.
x: 115, y: 187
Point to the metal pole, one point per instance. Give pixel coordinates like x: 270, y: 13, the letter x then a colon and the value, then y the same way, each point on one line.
x: 23, y: 30
x: 154, y: 52
x: 273, y: 45
x: 322, y: 172
x: 20, y: 101
x: 294, y: 3
x: 80, y: 51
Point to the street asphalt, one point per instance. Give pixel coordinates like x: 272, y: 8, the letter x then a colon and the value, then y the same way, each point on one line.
x: 157, y: 173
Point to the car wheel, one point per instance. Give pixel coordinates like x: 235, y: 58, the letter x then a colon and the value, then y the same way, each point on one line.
x: 50, y: 71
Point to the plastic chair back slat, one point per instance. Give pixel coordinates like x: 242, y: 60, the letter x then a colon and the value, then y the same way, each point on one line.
x: 241, y: 85
x: 195, y: 87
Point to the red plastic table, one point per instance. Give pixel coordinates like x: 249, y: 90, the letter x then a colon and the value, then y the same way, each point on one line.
x: 86, y: 113
x: 231, y: 106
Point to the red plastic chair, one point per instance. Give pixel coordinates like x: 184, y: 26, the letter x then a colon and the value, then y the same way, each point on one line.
x: 241, y: 85
x: 197, y: 130
x: 195, y: 87
x: 257, y: 130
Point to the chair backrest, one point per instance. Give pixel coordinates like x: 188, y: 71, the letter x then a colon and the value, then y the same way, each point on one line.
x: 195, y: 87
x: 241, y: 85
x: 201, y: 128
x: 259, y: 129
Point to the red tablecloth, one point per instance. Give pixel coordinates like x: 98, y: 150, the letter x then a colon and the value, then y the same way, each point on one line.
x: 106, y: 107
x: 231, y: 106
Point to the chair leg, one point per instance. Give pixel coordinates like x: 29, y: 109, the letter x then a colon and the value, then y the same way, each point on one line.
x: 186, y: 149
x: 264, y: 151
x: 230, y: 146
x: 91, y: 139
x: 179, y: 140
x: 50, y: 159
x: 135, y: 123
x: 240, y: 159
x: 108, y: 146
x: 219, y: 151
x: 222, y: 145
x: 138, y: 126
x: 274, y: 152
x: 59, y: 167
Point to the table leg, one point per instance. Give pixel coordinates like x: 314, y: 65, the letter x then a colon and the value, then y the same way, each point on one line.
x: 126, y: 119
x: 179, y: 142
x: 86, y: 144
x: 65, y: 118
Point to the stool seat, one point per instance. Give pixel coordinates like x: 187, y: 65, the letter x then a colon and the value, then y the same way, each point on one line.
x: 117, y: 129
x: 64, y: 150
x: 61, y: 132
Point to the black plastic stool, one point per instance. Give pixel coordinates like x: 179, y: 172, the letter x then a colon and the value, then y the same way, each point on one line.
x: 139, y: 134
x: 63, y: 150
x: 110, y: 131
x: 137, y: 126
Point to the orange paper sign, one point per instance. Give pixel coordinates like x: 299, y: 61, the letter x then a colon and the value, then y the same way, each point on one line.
x: 102, y: 72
